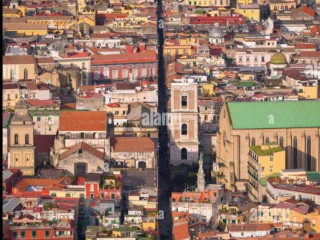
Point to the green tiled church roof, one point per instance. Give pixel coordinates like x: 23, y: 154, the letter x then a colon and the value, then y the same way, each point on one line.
x: 268, y: 115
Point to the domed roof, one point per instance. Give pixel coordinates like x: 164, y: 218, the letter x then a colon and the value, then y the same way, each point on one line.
x: 278, y: 58
x: 216, y: 32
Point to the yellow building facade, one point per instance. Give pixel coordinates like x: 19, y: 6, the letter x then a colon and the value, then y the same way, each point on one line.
x: 264, y: 161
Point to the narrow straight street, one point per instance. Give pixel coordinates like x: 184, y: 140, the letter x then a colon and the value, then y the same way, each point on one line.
x: 164, y: 192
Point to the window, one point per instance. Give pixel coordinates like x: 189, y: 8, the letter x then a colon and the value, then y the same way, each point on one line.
x: 152, y: 72
x: 255, y: 59
x: 47, y: 234
x: 267, y: 140
x: 262, y: 58
x: 106, y: 73
x: 262, y: 169
x: 240, y: 59
x: 184, y: 154
x: 123, y: 112
x: 34, y: 234
x: 91, y: 187
x: 253, y: 142
x: 112, y: 196
x: 83, y: 65
x: 184, y: 129
x: 248, y: 59
x: 144, y: 72
x: 11, y: 74
x: 184, y: 101
x: 281, y: 142
x: 53, y: 194
x: 102, y: 195
x: 68, y: 195
x: 115, y: 74
x: 23, y: 234
x: 15, y: 234
x: 16, y: 139
x: 96, y: 75
x: 271, y: 168
x: 38, y: 119
x: 271, y: 159
x: 82, y: 135
x: 25, y: 74
x: 116, y: 113
x: 309, y: 154
x: 124, y: 73
x: 80, y: 151
x: 295, y: 153
x: 27, y: 138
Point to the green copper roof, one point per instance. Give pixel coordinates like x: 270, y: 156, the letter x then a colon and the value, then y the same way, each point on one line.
x: 313, y: 176
x: 268, y: 115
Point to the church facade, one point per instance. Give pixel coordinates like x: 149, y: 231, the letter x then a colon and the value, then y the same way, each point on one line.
x: 21, y: 142
x: 294, y: 125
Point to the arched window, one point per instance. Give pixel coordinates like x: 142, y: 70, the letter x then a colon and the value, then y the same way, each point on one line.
x: 309, y: 167
x: 281, y: 142
x: 253, y: 142
x: 95, y: 135
x: 25, y: 73
x: 82, y: 135
x: 27, y: 138
x: 80, y: 151
x: 267, y: 140
x: 295, y: 153
x: 16, y: 139
x: 184, y: 129
x: 11, y: 74
x: 184, y: 101
x: 184, y: 154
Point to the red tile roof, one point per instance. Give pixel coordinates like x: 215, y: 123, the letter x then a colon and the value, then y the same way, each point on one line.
x: 84, y: 147
x: 141, y: 57
x: 181, y: 231
x: 83, y: 121
x: 309, y: 54
x: 132, y: 144
x: 39, y: 103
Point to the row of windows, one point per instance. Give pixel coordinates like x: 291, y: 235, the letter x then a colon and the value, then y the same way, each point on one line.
x: 25, y: 74
x: 16, y: 139
x: 248, y: 59
x: 125, y: 73
x: 34, y: 234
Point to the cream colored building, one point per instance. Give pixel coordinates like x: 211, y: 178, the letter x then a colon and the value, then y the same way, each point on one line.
x: 264, y: 161
x: 19, y: 67
x: 21, y: 144
x: 294, y: 125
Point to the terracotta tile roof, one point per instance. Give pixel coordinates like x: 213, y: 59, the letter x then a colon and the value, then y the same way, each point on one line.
x: 26, y: 182
x: 69, y: 106
x: 304, y: 9
x: 43, y: 143
x: 18, y: 59
x: 45, y: 60
x: 145, y: 56
x: 84, y: 147
x: 24, y: 26
x: 132, y: 144
x: 10, y: 86
x: 40, y: 103
x: 306, y: 46
x: 77, y: 55
x: 249, y: 227
x: 31, y: 86
x: 83, y: 121
x: 181, y: 231
x: 309, y: 54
